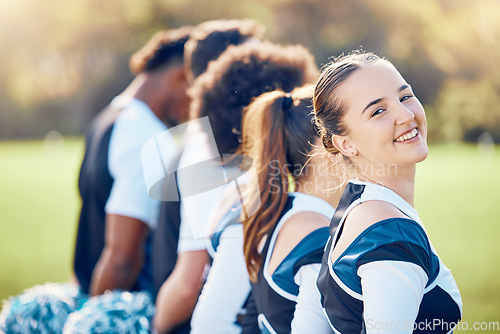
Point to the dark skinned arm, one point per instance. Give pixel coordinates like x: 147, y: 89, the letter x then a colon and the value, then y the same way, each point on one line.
x: 122, y: 257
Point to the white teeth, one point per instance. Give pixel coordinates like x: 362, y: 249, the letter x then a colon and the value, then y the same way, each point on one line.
x: 407, y: 136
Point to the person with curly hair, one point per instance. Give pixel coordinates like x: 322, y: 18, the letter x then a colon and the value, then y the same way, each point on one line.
x: 207, y: 41
x: 211, y: 38
x: 229, y: 84
x: 282, y: 242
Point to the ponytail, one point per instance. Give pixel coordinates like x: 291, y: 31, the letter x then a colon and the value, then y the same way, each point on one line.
x: 276, y: 134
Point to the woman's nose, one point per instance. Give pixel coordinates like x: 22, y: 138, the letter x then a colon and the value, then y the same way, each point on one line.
x: 403, y: 114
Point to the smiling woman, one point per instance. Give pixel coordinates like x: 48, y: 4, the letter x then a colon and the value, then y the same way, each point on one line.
x: 379, y: 267
x: 383, y: 109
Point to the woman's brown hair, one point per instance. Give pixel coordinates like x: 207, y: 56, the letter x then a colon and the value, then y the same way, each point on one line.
x: 277, y: 133
x: 328, y: 107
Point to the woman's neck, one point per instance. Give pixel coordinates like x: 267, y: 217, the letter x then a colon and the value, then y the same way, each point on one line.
x: 400, y: 179
x: 317, y: 180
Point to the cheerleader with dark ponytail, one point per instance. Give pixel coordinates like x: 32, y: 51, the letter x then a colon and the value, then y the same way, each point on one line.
x: 285, y: 238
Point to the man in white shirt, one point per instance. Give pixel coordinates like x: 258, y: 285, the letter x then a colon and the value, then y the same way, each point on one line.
x: 112, y: 247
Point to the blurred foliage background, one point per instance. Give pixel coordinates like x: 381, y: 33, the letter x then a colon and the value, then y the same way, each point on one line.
x: 63, y: 60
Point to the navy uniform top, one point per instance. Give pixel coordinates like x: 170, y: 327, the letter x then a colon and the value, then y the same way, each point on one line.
x: 111, y: 182
x: 222, y: 305
x: 231, y: 218
x: 276, y: 294
x: 95, y: 184
x: 396, y: 247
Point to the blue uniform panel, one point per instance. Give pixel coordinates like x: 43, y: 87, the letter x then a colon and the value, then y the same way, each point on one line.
x: 230, y: 218
x: 395, y: 239
x: 276, y: 302
x: 309, y: 250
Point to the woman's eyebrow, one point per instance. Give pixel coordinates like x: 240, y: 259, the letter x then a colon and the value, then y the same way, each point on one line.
x: 371, y: 103
x: 402, y: 88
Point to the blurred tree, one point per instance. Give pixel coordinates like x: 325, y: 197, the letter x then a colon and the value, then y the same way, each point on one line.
x: 67, y: 59
x: 466, y: 105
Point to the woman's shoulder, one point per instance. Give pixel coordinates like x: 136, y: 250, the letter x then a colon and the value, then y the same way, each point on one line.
x: 368, y: 213
x: 381, y: 223
x: 300, y: 242
x: 300, y: 225
x: 307, y: 214
x: 302, y: 233
x: 375, y: 233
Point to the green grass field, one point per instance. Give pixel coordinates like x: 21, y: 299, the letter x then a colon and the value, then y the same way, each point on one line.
x: 39, y: 209
x: 458, y: 198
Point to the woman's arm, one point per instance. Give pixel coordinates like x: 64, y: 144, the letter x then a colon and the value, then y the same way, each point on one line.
x: 309, y: 316
x: 226, y: 289
x: 179, y: 293
x: 392, y: 292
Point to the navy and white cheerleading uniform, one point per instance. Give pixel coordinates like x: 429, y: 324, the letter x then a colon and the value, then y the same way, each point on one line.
x: 202, y: 192
x: 166, y: 239
x: 390, y: 278
x: 288, y: 300
x: 227, y: 288
x: 112, y: 182
x: 182, y: 225
x: 166, y: 236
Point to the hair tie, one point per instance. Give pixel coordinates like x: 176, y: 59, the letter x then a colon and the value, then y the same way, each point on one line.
x: 287, y: 102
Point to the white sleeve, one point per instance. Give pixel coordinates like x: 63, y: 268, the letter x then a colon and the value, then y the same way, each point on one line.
x: 392, y: 292
x: 226, y: 289
x: 187, y: 242
x: 198, y: 198
x: 309, y: 316
x: 129, y: 195
x: 195, y: 211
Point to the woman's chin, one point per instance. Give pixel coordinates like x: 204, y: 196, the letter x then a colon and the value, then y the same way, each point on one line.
x: 424, y: 152
x: 419, y: 153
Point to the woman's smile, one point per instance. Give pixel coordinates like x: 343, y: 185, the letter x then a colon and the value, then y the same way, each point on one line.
x: 408, y: 136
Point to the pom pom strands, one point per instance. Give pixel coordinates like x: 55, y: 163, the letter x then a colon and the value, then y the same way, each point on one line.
x: 42, y: 309
x: 113, y: 312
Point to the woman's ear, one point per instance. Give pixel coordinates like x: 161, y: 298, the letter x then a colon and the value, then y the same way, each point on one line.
x: 344, y: 145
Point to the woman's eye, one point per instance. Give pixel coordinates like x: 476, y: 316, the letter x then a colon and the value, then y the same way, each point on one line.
x: 406, y: 97
x: 378, y: 111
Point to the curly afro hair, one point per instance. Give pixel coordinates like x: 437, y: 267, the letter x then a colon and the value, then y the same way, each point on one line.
x: 241, y: 74
x: 164, y: 46
x: 210, y: 39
